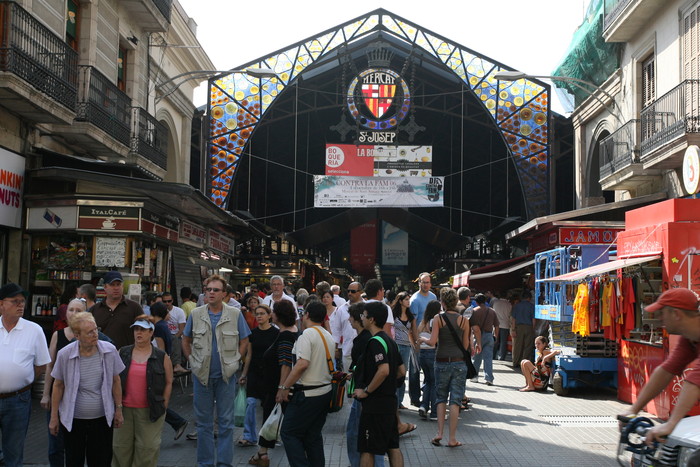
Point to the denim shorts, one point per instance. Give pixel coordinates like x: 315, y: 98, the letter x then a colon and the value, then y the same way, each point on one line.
x: 450, y: 378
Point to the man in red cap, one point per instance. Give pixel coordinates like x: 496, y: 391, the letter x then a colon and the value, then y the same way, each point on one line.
x: 680, y: 314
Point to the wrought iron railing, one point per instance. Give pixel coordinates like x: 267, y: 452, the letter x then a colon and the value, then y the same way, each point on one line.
x: 620, y: 149
x: 612, y: 11
x: 149, y: 137
x: 164, y: 6
x: 31, y: 51
x: 104, y: 105
x: 675, y: 113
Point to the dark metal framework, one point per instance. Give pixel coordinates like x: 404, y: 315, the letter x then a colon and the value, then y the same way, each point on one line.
x: 104, y: 105
x: 519, y: 110
x: 149, y: 137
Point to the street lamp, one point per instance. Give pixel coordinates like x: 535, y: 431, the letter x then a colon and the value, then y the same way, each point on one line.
x: 204, y: 74
x: 516, y: 75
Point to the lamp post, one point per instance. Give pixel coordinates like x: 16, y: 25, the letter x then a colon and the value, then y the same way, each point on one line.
x: 516, y: 75
x: 204, y: 74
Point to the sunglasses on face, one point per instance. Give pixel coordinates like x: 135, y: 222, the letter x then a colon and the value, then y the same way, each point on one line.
x: 352, y: 291
x: 213, y: 289
x: 167, y: 301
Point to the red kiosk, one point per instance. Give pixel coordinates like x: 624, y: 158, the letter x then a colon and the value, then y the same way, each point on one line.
x: 672, y: 229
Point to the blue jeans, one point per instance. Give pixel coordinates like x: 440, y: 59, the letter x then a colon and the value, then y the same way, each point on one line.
x: 427, y: 364
x: 500, y: 351
x: 57, y: 452
x: 351, y: 432
x: 217, y: 397
x: 405, y: 351
x: 450, y: 381
x: 486, y: 355
x: 174, y: 419
x: 249, y: 431
x: 301, y: 429
x: 14, y: 422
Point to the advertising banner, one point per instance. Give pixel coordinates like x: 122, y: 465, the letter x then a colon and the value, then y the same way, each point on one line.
x: 379, y: 161
x: 354, y: 192
x: 394, y: 245
x: 11, y: 186
x: 363, y: 248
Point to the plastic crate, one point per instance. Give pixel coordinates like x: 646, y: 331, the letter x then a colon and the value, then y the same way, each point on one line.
x: 555, y: 313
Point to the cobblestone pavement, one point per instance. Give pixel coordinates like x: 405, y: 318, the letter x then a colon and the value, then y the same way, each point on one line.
x: 504, y: 427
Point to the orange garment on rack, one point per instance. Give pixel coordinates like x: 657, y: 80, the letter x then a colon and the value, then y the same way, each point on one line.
x: 580, y: 323
x: 609, y: 310
x: 594, y: 304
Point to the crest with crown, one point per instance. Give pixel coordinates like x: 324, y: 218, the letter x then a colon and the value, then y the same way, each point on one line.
x: 379, y: 85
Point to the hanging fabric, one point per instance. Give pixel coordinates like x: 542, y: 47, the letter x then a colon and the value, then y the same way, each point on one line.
x: 594, y: 304
x: 580, y: 322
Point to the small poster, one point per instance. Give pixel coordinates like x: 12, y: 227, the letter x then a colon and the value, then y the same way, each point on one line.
x: 110, y: 252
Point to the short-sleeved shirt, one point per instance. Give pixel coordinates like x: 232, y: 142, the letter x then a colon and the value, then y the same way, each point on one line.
x: 502, y: 308
x: 682, y: 355
x: 310, y: 347
x: 161, y: 330
x: 343, y: 332
x: 21, y: 349
x: 383, y: 398
x: 359, y: 344
x: 176, y: 317
x: 269, y: 301
x: 419, y: 302
x: 215, y: 364
x: 187, y: 307
x: 117, y: 323
x: 279, y: 354
x: 485, y: 318
x: 390, y: 314
x: 523, y: 312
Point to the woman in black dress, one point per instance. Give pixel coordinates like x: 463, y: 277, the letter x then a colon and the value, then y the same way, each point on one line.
x: 261, y: 338
x: 277, y: 364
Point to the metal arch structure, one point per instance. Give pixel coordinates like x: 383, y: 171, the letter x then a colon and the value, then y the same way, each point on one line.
x: 520, y: 109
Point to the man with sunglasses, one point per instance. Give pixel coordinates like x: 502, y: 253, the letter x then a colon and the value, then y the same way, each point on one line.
x: 24, y: 357
x: 176, y: 325
x: 343, y: 333
x: 215, y: 341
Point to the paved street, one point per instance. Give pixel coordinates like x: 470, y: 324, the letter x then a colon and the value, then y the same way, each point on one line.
x: 504, y: 428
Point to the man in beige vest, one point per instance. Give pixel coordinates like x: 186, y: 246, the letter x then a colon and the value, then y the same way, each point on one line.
x: 215, y: 341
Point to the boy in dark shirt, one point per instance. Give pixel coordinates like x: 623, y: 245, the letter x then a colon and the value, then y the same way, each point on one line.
x: 377, y: 372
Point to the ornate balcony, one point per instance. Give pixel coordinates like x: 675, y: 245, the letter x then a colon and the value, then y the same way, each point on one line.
x: 149, y: 138
x: 669, y: 125
x: 623, y: 19
x: 38, y: 70
x: 620, y: 167
x: 104, y: 105
x: 151, y: 15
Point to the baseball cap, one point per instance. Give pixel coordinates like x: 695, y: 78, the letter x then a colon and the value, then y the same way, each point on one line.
x: 10, y: 290
x: 112, y: 276
x: 142, y: 323
x: 680, y: 298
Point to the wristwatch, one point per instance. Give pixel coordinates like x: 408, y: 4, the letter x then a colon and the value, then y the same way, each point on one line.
x: 119, y: 406
x: 366, y: 391
x: 282, y: 386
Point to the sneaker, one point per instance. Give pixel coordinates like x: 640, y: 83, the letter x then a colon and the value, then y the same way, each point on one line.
x: 422, y: 413
x: 475, y: 379
x: 433, y: 418
x: 192, y: 436
x: 180, y: 431
x: 489, y: 383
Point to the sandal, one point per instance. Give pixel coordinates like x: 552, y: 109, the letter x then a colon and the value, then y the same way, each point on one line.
x: 259, y: 459
x: 411, y: 427
x: 244, y: 443
x: 436, y: 441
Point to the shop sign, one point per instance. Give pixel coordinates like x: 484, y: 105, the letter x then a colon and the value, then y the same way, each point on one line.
x: 352, y: 192
x: 11, y: 187
x: 587, y: 236
x: 378, y: 161
x: 221, y: 243
x: 52, y: 218
x: 394, y: 245
x: 691, y: 169
x: 109, y: 218
x: 192, y: 233
x: 159, y: 226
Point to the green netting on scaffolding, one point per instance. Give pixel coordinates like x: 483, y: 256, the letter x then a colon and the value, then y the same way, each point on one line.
x: 589, y: 57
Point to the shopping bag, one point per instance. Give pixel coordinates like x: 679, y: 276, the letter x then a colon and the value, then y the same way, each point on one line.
x: 239, y: 407
x: 271, y: 428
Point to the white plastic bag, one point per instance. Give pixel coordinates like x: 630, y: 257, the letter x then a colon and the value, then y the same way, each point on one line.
x: 271, y: 428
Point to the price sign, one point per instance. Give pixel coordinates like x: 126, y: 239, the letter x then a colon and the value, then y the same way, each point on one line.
x: 110, y: 251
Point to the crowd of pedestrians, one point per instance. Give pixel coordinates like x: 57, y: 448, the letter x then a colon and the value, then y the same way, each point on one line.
x: 111, y: 368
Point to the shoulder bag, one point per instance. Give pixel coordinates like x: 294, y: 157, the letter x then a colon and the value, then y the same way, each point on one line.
x: 471, y: 371
x: 337, y: 379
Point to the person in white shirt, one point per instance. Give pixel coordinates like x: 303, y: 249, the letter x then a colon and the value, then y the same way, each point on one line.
x: 337, y: 299
x: 343, y: 333
x: 24, y: 357
x: 176, y: 324
x: 277, y: 286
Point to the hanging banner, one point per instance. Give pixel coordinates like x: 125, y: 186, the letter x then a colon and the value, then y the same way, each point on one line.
x: 378, y: 161
x: 355, y: 192
x: 363, y: 248
x: 394, y: 245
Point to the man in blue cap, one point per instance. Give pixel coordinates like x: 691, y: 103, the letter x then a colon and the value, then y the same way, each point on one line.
x: 24, y: 357
x: 115, y: 314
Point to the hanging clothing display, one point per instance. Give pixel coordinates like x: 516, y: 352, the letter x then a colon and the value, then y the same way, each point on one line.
x: 580, y: 322
x: 594, y: 304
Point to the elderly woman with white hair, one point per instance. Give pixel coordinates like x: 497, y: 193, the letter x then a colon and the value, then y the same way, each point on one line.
x: 87, y: 394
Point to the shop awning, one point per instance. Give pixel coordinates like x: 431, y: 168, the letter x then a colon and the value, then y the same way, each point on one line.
x: 507, y: 270
x: 602, y: 268
x: 503, y: 267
